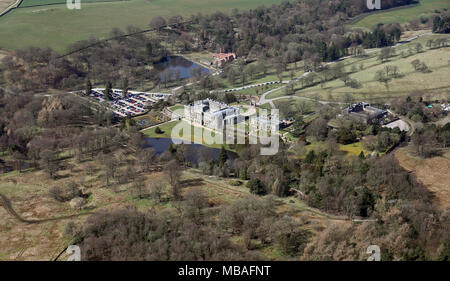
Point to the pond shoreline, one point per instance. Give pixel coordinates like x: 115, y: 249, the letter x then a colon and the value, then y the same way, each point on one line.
x: 178, y: 67
x: 194, y: 153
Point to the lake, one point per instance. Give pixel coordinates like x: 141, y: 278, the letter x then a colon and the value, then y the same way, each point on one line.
x: 195, y: 152
x: 178, y: 66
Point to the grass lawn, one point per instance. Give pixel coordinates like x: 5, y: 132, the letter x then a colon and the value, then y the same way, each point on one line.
x: 47, y: 26
x: 310, y: 106
x: 316, y: 146
x: 276, y: 94
x: 179, y: 109
x: 166, y: 128
x: 199, y: 56
x: 202, y: 58
x: 167, y: 133
x: 261, y: 78
x: 265, y: 106
x: 310, y: 118
x: 353, y: 149
x: 349, y: 149
x: 425, y: 8
x: 253, y: 91
x: 334, y: 123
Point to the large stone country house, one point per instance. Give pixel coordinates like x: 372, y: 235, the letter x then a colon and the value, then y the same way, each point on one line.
x: 211, y: 114
x: 362, y: 111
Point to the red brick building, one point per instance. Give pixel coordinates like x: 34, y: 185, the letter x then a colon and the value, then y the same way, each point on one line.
x: 221, y: 58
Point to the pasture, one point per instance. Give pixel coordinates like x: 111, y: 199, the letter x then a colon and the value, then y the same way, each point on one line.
x: 32, y: 3
x: 57, y: 27
x: 435, y: 82
x: 425, y: 8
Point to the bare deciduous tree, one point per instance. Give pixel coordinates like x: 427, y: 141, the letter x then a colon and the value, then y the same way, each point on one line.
x: 172, y: 172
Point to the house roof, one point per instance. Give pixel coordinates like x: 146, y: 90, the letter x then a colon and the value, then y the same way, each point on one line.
x: 222, y: 56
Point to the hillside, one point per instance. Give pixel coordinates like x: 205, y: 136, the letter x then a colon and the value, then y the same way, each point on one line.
x: 425, y: 8
x: 364, y: 68
x: 44, y: 239
x: 432, y: 172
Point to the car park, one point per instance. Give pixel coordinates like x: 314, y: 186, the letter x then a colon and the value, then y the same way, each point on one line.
x: 133, y: 104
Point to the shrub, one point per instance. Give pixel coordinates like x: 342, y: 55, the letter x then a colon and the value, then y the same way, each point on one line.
x: 66, y: 193
x: 346, y: 136
x: 289, y: 237
x: 235, y: 182
x: 256, y: 187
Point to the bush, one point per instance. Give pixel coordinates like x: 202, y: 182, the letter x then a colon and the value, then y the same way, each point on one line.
x: 70, y: 229
x: 64, y: 194
x: 289, y: 237
x: 346, y: 136
x: 256, y: 187
x: 55, y: 192
x: 244, y: 174
x: 235, y: 182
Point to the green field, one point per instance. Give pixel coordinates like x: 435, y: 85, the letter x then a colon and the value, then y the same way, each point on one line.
x: 425, y: 8
x: 56, y: 26
x: 435, y: 82
x: 31, y: 3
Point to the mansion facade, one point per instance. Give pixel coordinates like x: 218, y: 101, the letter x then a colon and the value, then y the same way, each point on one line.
x: 211, y: 114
